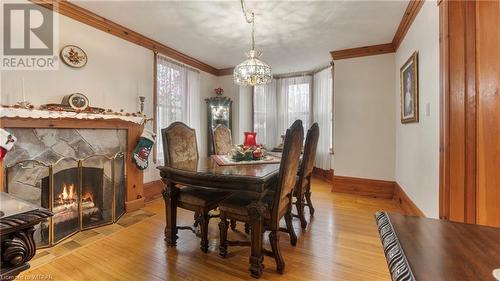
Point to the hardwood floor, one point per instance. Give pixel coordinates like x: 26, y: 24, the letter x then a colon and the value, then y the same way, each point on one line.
x: 340, y: 243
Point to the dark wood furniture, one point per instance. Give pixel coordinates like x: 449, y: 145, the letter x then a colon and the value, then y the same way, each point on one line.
x: 302, y: 189
x: 17, y: 221
x: 254, y: 179
x: 272, y: 206
x: 180, y: 149
x: 436, y: 250
x: 219, y: 112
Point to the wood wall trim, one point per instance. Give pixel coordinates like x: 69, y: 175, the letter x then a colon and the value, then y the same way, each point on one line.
x: 152, y: 190
x: 363, y: 51
x: 323, y: 174
x: 406, y: 204
x: 409, y: 16
x: 87, y: 17
x: 225, y: 71
x: 363, y: 187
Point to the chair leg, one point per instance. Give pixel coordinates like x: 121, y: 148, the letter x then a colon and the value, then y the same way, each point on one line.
x: 308, y: 198
x: 223, y: 226
x: 300, y: 211
x: 233, y: 225
x: 247, y: 228
x: 274, y: 240
x: 204, y: 219
x: 196, y: 219
x: 289, y: 226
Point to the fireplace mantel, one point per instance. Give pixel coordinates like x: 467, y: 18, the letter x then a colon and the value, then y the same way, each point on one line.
x: 134, y: 176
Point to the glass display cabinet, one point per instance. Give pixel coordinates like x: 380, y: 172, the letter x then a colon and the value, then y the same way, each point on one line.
x: 219, y: 110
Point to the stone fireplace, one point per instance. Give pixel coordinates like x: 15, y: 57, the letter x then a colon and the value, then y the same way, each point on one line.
x: 78, y: 174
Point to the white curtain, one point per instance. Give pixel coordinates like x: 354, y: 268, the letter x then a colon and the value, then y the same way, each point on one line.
x: 265, y: 116
x: 322, y: 108
x: 294, y: 102
x: 178, y: 97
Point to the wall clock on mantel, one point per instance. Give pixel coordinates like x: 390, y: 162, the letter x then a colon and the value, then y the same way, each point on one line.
x: 73, y: 56
x: 76, y: 101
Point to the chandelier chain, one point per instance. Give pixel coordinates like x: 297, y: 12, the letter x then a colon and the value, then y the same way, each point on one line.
x: 250, y: 18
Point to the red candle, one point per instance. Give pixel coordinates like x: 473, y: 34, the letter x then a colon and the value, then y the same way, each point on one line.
x: 250, y: 139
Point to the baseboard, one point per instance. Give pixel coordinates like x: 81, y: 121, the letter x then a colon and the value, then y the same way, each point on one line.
x: 134, y: 204
x: 406, y: 204
x: 326, y: 175
x: 152, y: 190
x: 363, y: 187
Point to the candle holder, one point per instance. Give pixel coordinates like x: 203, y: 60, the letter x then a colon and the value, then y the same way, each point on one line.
x: 142, y: 99
x: 25, y: 105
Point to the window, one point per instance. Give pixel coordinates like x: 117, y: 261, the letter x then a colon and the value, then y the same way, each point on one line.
x: 259, y: 112
x: 298, y: 104
x: 177, y: 97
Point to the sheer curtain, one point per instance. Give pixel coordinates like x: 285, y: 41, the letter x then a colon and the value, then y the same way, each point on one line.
x: 178, y: 97
x: 294, y: 102
x: 265, y: 117
x: 323, y: 115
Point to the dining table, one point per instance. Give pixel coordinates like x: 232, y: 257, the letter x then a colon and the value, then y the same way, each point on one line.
x: 204, y: 172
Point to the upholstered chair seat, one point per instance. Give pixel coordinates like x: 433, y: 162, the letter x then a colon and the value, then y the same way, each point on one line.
x: 302, y: 191
x: 200, y: 196
x: 181, y: 152
x: 263, y: 212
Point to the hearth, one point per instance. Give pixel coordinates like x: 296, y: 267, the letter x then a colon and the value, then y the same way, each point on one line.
x: 82, y: 193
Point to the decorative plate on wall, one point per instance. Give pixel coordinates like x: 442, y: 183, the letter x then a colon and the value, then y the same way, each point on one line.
x: 73, y: 56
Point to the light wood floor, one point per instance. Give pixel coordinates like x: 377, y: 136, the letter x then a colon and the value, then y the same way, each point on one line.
x: 340, y: 243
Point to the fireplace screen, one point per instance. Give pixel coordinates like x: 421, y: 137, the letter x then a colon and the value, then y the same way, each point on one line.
x: 82, y: 193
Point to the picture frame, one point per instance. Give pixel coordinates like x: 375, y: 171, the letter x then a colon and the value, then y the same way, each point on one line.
x: 409, y: 90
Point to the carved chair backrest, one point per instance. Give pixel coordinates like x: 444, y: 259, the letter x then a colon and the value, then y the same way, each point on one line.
x: 179, y: 143
x: 223, y: 142
x: 307, y: 164
x: 289, y: 166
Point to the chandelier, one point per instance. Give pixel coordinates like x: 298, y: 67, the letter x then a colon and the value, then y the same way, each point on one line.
x: 252, y: 71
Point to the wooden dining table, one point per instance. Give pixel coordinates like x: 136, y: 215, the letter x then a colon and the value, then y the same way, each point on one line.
x: 205, y: 172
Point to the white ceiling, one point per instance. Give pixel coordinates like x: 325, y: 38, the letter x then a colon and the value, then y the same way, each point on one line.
x: 294, y: 35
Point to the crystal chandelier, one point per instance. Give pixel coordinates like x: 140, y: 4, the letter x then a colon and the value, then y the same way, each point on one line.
x: 252, y: 71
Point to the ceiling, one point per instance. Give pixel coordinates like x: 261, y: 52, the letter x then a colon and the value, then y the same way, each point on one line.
x: 294, y: 35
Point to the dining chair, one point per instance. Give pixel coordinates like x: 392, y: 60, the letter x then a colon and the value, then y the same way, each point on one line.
x: 181, y: 150
x: 278, y: 201
x: 303, y: 185
x: 222, y: 141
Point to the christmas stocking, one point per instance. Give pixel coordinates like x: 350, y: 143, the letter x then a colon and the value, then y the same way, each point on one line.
x: 143, y: 149
x: 7, y: 141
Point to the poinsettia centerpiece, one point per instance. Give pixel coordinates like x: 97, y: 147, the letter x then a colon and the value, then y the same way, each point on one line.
x: 247, y: 153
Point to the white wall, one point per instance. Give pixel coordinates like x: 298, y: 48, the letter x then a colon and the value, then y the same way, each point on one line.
x: 417, y: 144
x: 117, y: 73
x: 364, y: 138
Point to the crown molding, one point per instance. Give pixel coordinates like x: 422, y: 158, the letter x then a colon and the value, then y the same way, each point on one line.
x: 363, y: 51
x: 409, y: 16
x: 87, y: 17
x: 225, y: 71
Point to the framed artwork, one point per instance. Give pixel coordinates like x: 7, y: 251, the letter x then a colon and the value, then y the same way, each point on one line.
x: 409, y: 90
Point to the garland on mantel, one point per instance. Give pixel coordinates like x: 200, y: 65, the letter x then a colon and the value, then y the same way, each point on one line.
x: 60, y: 108
x: 29, y: 111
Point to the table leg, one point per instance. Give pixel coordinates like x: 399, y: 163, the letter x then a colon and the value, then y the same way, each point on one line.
x: 256, y: 211
x: 170, y: 194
